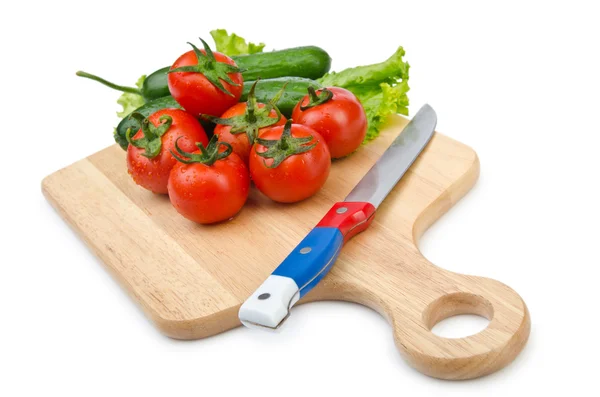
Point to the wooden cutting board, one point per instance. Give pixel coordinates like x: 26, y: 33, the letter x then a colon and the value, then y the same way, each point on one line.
x: 191, y: 279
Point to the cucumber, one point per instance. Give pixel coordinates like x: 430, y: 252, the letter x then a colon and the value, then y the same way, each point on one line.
x: 310, y: 62
x: 146, y: 110
x: 155, y: 85
x: 295, y: 90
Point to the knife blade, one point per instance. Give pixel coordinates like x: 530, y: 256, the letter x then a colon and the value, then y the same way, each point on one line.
x: 269, y: 306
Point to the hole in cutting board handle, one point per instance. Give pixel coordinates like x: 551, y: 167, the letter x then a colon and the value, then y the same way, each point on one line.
x: 460, y: 326
x: 453, y: 307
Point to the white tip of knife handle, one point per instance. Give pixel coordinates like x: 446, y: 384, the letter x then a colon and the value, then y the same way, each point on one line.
x: 269, y: 305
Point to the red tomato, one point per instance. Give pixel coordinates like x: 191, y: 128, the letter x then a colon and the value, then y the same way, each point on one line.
x: 209, y: 82
x: 286, y: 177
x: 341, y: 120
x: 152, y: 173
x: 240, y: 143
x: 206, y: 192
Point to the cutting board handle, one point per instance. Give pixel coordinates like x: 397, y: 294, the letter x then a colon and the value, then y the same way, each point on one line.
x: 472, y: 356
x: 440, y: 294
x: 416, y: 295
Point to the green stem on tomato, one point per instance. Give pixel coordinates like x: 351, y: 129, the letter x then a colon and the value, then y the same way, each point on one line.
x: 284, y: 147
x: 151, y: 140
x: 208, y: 155
x: 315, y: 99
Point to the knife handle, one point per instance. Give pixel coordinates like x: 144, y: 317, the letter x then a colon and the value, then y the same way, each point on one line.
x: 306, y: 265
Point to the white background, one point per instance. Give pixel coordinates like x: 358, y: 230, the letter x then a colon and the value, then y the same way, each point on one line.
x: 519, y: 82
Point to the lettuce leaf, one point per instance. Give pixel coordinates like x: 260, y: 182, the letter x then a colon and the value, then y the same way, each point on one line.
x: 130, y: 101
x: 380, y: 104
x: 232, y: 44
x: 381, y: 88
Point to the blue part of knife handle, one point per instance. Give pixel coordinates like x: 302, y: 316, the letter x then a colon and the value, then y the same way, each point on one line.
x: 312, y: 259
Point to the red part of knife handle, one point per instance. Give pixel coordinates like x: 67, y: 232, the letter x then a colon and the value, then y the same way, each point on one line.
x: 349, y: 218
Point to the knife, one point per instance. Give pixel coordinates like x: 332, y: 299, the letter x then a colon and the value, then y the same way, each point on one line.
x: 269, y: 306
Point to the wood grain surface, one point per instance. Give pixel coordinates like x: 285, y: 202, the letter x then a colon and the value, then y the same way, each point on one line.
x: 191, y: 279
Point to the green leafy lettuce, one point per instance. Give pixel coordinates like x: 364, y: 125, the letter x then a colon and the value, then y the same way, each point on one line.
x: 381, y: 88
x: 131, y: 101
x: 232, y: 44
